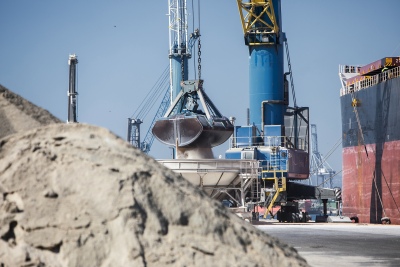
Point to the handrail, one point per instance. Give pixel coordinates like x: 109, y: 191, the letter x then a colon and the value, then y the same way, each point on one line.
x: 370, y: 81
x: 266, y: 141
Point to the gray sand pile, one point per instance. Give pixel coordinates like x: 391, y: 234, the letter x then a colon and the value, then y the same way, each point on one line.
x: 77, y: 195
x: 18, y: 114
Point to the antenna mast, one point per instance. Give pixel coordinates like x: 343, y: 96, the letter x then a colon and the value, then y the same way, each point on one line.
x: 72, y: 105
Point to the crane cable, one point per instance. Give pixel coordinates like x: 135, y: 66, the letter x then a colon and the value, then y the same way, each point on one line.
x: 330, y: 152
x: 155, y: 94
x: 152, y: 95
x: 194, y: 62
x: 199, y: 42
x: 338, y: 143
x: 330, y: 177
x: 290, y: 73
x: 199, y: 47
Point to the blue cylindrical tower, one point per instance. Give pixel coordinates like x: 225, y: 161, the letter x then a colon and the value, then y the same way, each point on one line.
x: 278, y: 139
x: 266, y: 85
x: 263, y: 35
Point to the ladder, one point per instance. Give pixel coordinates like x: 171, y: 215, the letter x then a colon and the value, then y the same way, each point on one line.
x: 276, y: 174
x: 278, y: 187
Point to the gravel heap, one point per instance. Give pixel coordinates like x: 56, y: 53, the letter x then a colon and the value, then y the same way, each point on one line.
x: 78, y: 195
x: 18, y: 114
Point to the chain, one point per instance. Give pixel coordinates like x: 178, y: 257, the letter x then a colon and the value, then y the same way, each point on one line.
x: 182, y: 68
x: 199, y: 58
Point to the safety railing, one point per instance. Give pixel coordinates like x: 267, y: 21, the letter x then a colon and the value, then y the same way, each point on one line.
x: 267, y: 141
x: 370, y: 81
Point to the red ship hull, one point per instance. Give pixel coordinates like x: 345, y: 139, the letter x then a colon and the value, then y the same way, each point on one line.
x: 371, y: 184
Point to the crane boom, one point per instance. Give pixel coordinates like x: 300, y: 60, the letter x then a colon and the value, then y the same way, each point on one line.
x: 149, y: 138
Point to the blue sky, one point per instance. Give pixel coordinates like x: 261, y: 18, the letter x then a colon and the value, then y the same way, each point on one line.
x: 122, y: 48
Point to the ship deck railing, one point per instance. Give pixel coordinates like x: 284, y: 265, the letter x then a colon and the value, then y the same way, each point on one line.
x: 370, y: 81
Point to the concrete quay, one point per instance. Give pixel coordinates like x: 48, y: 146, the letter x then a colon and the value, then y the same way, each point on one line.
x: 339, y: 244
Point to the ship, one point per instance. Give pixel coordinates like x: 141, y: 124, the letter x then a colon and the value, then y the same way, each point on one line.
x: 370, y: 114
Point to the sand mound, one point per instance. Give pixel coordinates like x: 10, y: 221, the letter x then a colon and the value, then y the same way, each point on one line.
x: 18, y: 114
x: 77, y: 195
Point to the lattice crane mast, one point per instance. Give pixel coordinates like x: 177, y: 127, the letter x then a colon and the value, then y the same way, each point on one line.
x: 319, y: 167
x: 178, y: 44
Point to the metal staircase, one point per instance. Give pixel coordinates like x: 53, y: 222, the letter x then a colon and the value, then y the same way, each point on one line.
x: 274, y: 174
